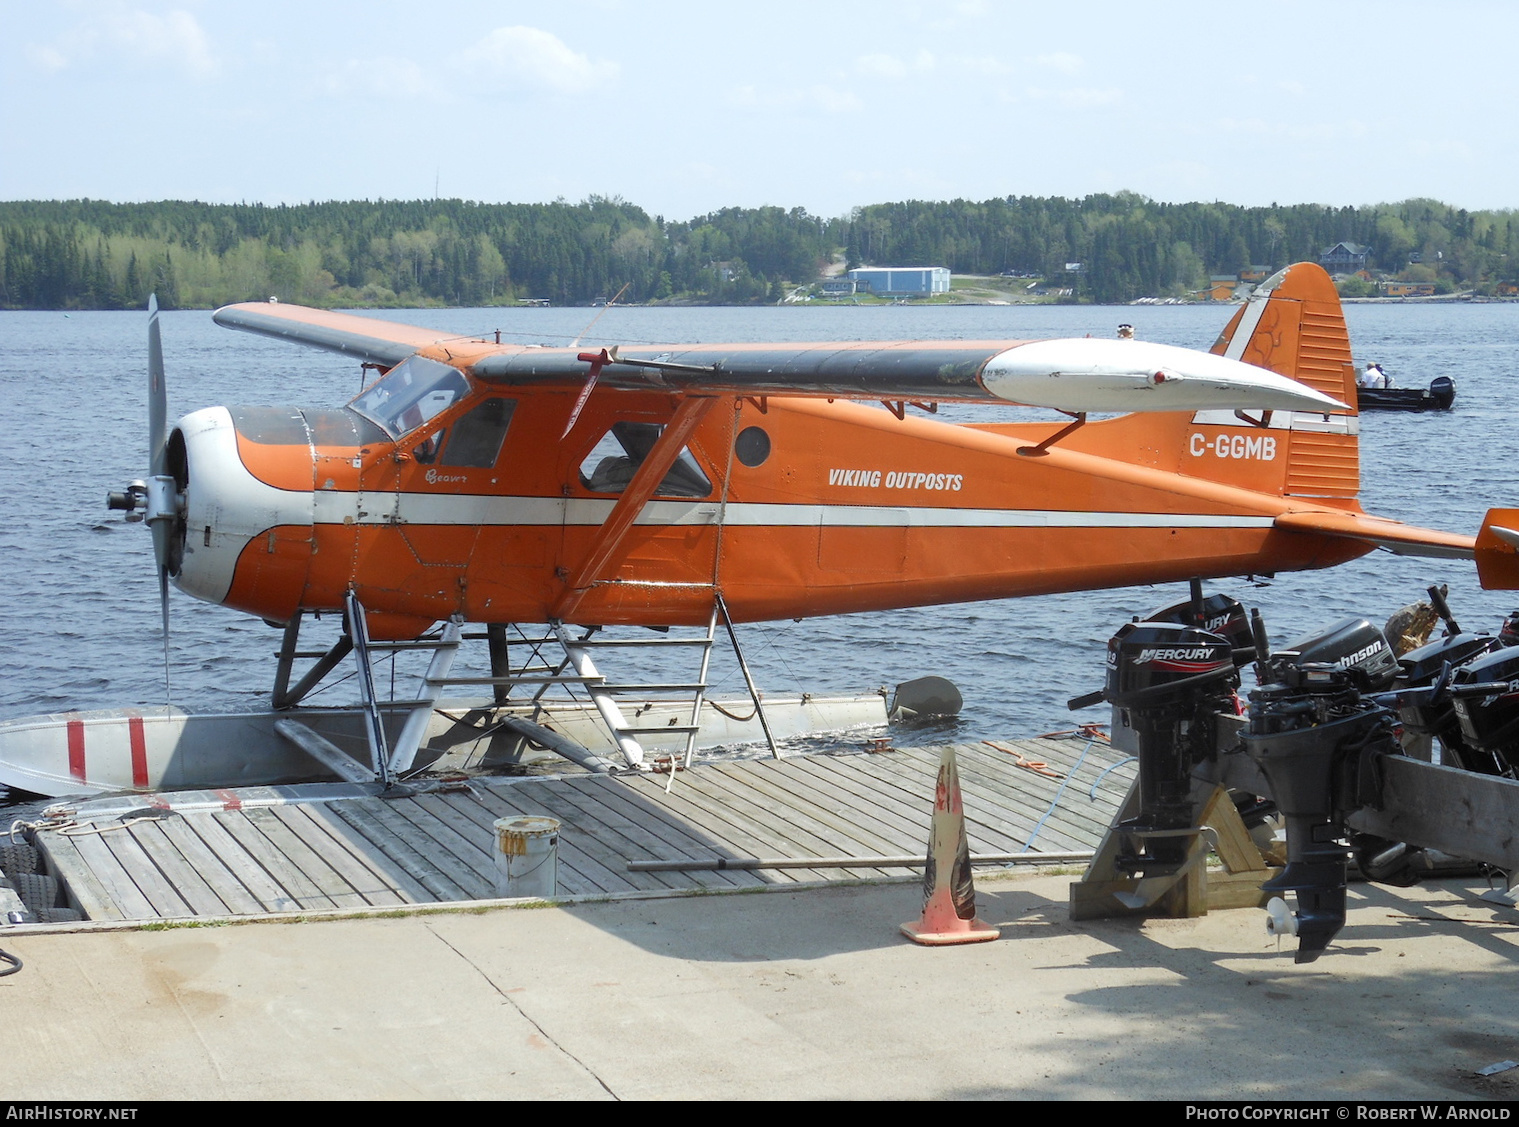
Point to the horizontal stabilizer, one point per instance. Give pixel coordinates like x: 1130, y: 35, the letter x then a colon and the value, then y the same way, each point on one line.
x: 1498, y: 550
x: 1404, y: 539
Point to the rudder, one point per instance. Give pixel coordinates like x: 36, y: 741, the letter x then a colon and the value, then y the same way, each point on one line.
x: 1293, y: 325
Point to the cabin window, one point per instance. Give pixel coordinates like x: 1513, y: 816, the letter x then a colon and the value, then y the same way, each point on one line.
x: 478, y: 435
x: 752, y: 446
x: 410, y: 394
x: 614, y: 460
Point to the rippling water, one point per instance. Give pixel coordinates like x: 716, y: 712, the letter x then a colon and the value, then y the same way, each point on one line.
x: 81, y: 613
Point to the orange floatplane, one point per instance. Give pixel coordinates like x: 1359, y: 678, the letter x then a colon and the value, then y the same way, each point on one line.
x: 489, y: 483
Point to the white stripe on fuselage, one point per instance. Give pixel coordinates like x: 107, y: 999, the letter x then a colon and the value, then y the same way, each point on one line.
x: 452, y: 509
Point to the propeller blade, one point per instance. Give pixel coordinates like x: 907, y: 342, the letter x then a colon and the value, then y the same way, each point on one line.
x: 163, y: 602
x: 158, y: 406
x: 158, y: 411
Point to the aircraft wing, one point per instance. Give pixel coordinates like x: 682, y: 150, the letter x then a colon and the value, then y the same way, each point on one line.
x: 1068, y: 375
x: 367, y: 338
x: 1404, y: 539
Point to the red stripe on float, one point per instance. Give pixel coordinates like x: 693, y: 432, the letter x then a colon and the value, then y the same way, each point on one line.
x: 76, y: 748
x: 139, y: 751
x: 230, y: 801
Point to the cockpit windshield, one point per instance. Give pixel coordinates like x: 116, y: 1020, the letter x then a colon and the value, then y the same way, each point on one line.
x: 410, y: 394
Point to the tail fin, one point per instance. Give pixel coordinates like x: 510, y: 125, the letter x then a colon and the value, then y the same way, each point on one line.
x: 1293, y: 325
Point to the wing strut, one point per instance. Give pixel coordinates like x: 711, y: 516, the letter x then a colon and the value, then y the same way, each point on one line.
x: 608, y: 548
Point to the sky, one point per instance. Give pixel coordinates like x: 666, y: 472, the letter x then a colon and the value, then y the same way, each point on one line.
x: 684, y: 108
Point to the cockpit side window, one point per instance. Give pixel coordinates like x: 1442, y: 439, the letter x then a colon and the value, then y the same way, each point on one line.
x: 410, y: 394
x: 477, y: 436
x: 614, y: 460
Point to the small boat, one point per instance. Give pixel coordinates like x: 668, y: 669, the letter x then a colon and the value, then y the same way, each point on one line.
x: 1438, y: 396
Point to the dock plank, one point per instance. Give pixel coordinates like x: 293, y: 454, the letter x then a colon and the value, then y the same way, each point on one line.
x: 843, y: 835
x: 175, y: 869
x: 296, y: 885
x: 653, y: 833
x: 326, y: 879
x: 134, y: 860
x: 93, y: 888
x: 243, y: 867
x: 596, y: 839
x: 739, y: 829
x: 388, y: 878
x: 358, y: 882
x: 412, y: 850
x: 230, y: 892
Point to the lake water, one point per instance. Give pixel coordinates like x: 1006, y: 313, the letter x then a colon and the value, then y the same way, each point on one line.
x: 81, y: 621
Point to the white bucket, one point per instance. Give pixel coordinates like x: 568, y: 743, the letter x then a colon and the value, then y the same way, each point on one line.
x: 527, y: 856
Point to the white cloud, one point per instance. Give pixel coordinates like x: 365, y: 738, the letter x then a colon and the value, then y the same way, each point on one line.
x: 1349, y: 129
x: 889, y: 66
x: 1078, y: 97
x: 828, y: 98
x: 529, y: 58
x: 48, y: 58
x: 174, y: 39
x: 384, y: 77
x: 836, y: 101
x: 1061, y: 61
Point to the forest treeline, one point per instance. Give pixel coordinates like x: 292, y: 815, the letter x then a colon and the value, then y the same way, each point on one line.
x: 88, y: 254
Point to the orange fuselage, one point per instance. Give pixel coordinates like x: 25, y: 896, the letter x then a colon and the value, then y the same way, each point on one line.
x: 851, y: 509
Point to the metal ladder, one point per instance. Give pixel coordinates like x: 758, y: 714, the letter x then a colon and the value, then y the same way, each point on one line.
x: 605, y: 694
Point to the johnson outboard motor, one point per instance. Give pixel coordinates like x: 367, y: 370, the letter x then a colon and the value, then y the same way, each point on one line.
x: 1353, y: 645
x: 1170, y: 680
x: 1313, y: 734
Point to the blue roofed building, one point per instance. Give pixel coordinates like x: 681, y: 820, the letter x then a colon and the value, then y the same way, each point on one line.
x: 902, y: 281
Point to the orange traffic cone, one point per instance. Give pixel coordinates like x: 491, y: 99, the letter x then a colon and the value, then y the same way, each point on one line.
x: 949, y: 896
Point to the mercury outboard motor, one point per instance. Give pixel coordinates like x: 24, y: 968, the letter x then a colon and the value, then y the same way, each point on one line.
x: 1171, y: 680
x: 1216, y: 613
x: 1312, y: 733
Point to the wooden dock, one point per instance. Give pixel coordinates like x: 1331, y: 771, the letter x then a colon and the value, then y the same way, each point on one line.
x: 339, y: 847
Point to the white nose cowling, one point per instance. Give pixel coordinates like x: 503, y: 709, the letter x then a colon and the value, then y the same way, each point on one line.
x: 1090, y: 374
x: 226, y: 507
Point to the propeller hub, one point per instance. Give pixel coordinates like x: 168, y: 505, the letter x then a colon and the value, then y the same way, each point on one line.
x: 163, y: 500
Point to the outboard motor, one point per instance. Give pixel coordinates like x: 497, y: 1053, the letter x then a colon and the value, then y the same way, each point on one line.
x: 1508, y: 633
x: 1490, y: 722
x: 1170, y: 680
x: 1218, y: 614
x: 1430, y: 666
x: 1311, y: 732
x: 1354, y: 645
